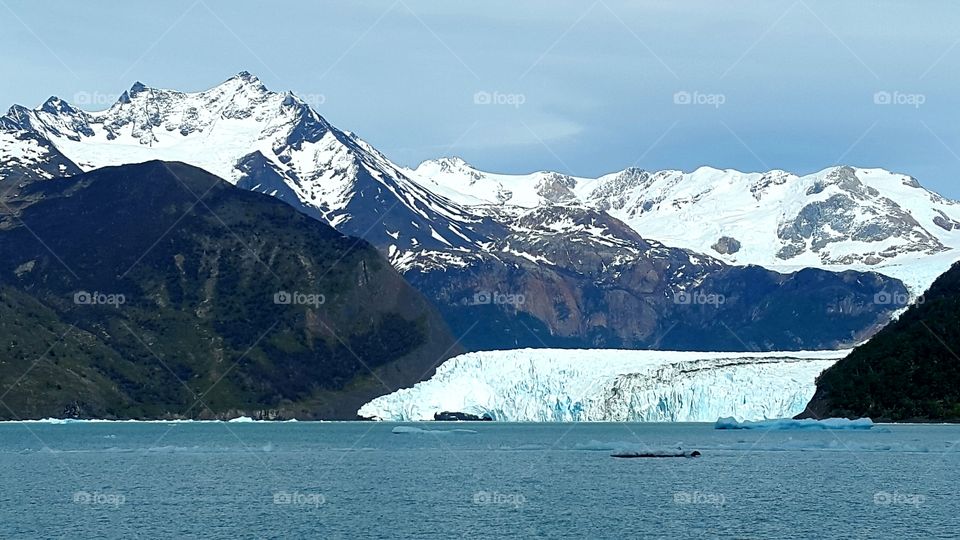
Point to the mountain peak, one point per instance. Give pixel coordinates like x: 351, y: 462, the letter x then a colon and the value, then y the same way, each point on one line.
x: 455, y: 160
x: 243, y: 83
x: 446, y: 164
x: 55, y: 105
x: 15, y: 118
x: 245, y: 78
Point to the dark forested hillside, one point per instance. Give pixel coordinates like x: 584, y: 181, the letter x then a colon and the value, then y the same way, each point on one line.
x: 908, y: 371
x: 159, y: 291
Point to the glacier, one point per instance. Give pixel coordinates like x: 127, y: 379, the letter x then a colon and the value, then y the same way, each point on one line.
x: 564, y: 385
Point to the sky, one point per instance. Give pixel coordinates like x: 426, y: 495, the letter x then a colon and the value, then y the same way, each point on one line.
x: 584, y: 88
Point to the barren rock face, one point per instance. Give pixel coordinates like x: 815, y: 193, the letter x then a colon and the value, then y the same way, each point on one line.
x: 557, y: 188
x: 572, y: 277
x: 726, y: 245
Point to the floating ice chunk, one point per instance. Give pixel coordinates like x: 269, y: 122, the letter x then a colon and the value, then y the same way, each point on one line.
x: 789, y: 424
x: 616, y: 446
x: 418, y: 431
x: 635, y: 449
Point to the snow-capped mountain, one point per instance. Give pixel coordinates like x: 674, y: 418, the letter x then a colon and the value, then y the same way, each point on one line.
x: 545, y: 385
x: 588, y: 279
x: 839, y: 218
x: 459, y: 181
x: 275, y: 143
x: 264, y: 141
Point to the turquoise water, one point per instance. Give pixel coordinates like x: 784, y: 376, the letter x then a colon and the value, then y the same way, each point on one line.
x: 361, y: 480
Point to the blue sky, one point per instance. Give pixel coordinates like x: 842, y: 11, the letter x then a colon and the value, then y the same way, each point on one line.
x: 580, y: 87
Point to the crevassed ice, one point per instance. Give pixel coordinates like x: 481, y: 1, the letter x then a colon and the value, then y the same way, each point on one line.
x: 544, y: 385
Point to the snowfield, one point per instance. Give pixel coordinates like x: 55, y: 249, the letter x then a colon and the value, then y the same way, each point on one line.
x: 562, y: 385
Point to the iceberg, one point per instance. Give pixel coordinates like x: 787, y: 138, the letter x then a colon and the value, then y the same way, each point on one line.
x: 790, y: 424
x: 564, y: 385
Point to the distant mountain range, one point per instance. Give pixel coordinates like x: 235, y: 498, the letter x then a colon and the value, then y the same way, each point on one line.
x: 634, y: 259
x: 839, y: 218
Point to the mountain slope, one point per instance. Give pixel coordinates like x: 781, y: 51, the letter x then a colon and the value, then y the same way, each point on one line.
x: 164, y: 281
x: 595, y: 283
x: 908, y: 371
x: 27, y: 157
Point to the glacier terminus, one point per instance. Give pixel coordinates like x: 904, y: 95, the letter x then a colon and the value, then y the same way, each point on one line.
x: 562, y: 385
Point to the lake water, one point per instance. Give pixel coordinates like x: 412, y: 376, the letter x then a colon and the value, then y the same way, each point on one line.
x: 361, y: 480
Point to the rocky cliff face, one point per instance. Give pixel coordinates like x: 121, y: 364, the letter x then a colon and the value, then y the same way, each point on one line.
x: 574, y: 277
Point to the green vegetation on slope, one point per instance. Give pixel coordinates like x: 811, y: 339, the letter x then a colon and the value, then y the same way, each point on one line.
x: 908, y: 371
x: 189, y: 279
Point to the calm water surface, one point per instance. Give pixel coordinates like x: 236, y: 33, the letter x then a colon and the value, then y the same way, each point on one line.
x: 494, y: 480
